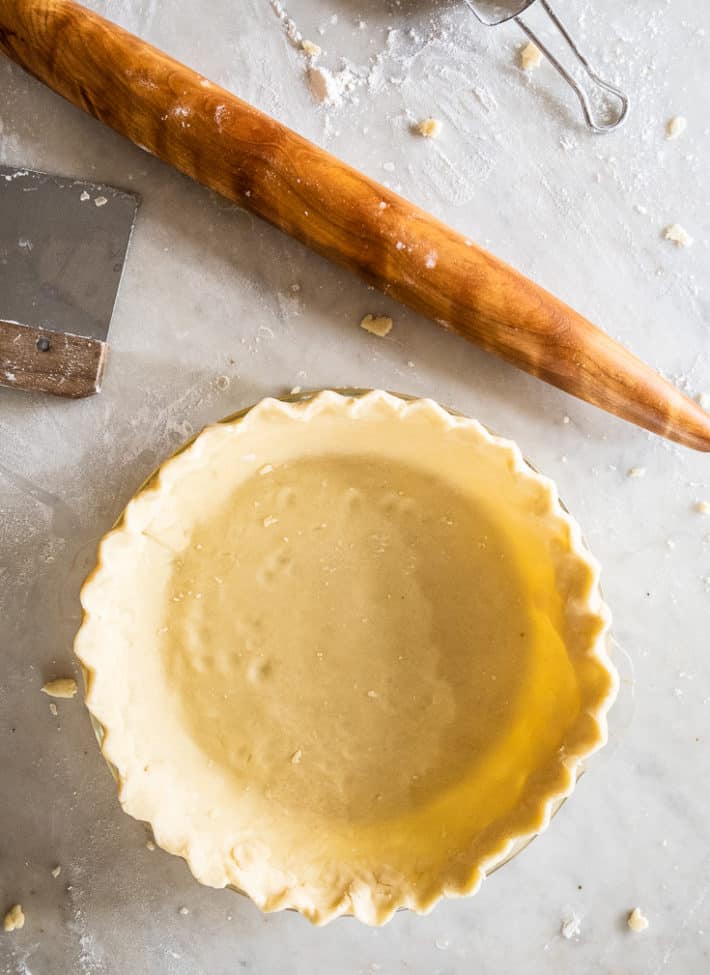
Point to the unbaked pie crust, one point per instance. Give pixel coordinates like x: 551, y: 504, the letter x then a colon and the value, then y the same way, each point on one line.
x: 346, y: 654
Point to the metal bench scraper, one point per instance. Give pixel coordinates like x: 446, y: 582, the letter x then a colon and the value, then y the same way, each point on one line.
x: 581, y: 72
x: 63, y: 244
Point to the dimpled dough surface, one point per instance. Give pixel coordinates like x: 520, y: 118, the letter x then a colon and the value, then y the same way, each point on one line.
x: 344, y: 657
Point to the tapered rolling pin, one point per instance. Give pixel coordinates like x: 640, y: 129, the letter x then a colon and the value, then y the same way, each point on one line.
x: 220, y: 141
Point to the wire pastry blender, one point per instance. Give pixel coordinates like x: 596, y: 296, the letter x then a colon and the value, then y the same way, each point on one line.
x: 491, y: 13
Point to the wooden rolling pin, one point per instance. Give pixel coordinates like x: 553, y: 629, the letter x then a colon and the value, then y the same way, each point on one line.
x: 214, y: 137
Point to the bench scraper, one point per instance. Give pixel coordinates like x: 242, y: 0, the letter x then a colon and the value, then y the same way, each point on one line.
x: 63, y: 245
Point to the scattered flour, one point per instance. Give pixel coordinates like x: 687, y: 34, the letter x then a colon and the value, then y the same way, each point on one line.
x: 571, y: 927
x: 326, y: 87
x: 292, y: 32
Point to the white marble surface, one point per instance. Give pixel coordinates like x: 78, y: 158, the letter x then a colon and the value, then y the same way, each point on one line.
x: 207, y: 294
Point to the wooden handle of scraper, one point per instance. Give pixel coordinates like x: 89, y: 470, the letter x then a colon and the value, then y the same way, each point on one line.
x: 214, y: 137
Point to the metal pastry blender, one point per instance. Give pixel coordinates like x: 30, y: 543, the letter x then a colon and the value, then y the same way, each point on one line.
x: 494, y: 12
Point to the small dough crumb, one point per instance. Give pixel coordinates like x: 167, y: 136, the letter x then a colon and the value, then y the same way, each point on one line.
x: 636, y: 920
x: 266, y: 469
x: 100, y: 201
x: 678, y: 235
x: 637, y: 472
x: 379, y: 326
x: 296, y: 757
x: 184, y: 911
x: 84, y: 196
x: 53, y: 709
x: 704, y: 401
x: 64, y: 687
x: 676, y: 127
x: 571, y: 927
x: 150, y: 845
x: 429, y: 128
x: 295, y: 390
x: 14, y: 919
x: 310, y: 49
x: 530, y: 57
x: 56, y: 871
x: 702, y: 507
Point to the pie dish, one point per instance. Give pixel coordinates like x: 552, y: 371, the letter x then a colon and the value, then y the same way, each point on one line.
x: 346, y: 654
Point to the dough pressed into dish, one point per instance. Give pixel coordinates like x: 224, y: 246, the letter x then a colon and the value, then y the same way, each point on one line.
x: 346, y: 654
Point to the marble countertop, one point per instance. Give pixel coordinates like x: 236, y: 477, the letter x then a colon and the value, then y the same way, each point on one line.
x: 217, y: 309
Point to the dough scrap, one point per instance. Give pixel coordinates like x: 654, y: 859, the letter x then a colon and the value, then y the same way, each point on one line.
x: 636, y: 920
x: 379, y: 326
x: 63, y: 687
x: 14, y: 919
x: 530, y: 57
x: 310, y: 49
x: 676, y: 127
x: 678, y: 235
x: 430, y: 128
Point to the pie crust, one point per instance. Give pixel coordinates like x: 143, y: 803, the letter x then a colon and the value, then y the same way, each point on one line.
x: 346, y: 654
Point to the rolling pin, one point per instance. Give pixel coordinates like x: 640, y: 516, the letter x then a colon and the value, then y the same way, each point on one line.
x: 212, y: 136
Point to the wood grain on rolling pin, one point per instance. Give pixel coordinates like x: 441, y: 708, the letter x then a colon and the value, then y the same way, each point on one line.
x: 222, y: 142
